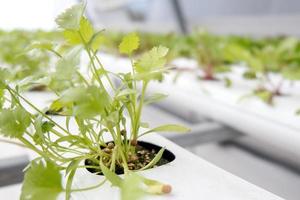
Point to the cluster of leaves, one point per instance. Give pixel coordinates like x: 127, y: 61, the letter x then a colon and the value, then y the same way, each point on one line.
x: 20, y: 62
x: 216, y: 53
x: 98, y: 108
x: 263, y: 57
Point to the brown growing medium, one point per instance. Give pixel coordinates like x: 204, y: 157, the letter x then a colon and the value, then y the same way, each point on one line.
x: 136, y: 160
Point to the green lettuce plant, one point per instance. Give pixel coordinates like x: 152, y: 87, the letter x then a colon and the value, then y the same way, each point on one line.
x: 208, y: 50
x: 264, y: 58
x: 99, y: 108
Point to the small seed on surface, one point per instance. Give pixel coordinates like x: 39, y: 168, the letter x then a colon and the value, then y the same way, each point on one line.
x: 166, y: 189
x: 134, y: 158
x: 107, y: 150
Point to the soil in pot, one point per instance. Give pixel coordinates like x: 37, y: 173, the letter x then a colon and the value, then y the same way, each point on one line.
x: 145, y: 152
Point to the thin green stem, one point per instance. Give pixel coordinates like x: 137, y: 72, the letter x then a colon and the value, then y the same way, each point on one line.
x: 139, y: 111
x: 38, y: 110
x: 95, y: 72
x: 105, y: 73
x: 89, y: 188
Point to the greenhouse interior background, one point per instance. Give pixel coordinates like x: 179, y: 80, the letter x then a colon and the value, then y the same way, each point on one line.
x: 232, y: 76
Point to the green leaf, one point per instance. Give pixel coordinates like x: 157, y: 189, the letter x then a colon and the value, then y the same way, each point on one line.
x: 72, y: 37
x: 111, y: 176
x: 131, y: 187
x: 4, y: 76
x: 70, y: 172
x: 14, y: 122
x: 155, y: 159
x: 55, y: 108
x: 291, y: 73
x: 41, y: 180
x: 70, y: 18
x: 40, y: 45
x: 125, y: 92
x: 150, y: 65
x: 168, y: 128
x: 2, y: 99
x: 129, y: 43
x: 154, y: 98
x: 66, y: 69
x: 87, y: 102
x: 72, y: 140
x: 96, y: 41
x: 69, y: 183
x: 228, y: 82
x: 72, y: 165
x: 86, y: 30
x: 38, y: 135
x: 144, y: 125
x: 265, y: 95
x: 249, y: 75
x: 47, y: 126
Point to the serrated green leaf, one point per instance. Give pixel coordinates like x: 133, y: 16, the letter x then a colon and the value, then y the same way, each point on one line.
x: 85, y: 32
x: 66, y: 70
x: 129, y: 43
x: 41, y: 180
x: 72, y: 37
x: 70, y: 18
x: 87, y: 102
x: 150, y: 65
x: 86, y: 29
x: 14, y: 122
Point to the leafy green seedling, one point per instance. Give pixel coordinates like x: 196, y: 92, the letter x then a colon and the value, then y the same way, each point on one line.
x: 99, y: 109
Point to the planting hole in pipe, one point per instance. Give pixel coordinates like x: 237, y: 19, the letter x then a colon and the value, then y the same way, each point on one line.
x: 145, y: 152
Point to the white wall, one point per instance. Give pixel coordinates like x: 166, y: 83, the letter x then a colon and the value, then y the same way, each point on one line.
x: 30, y: 14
